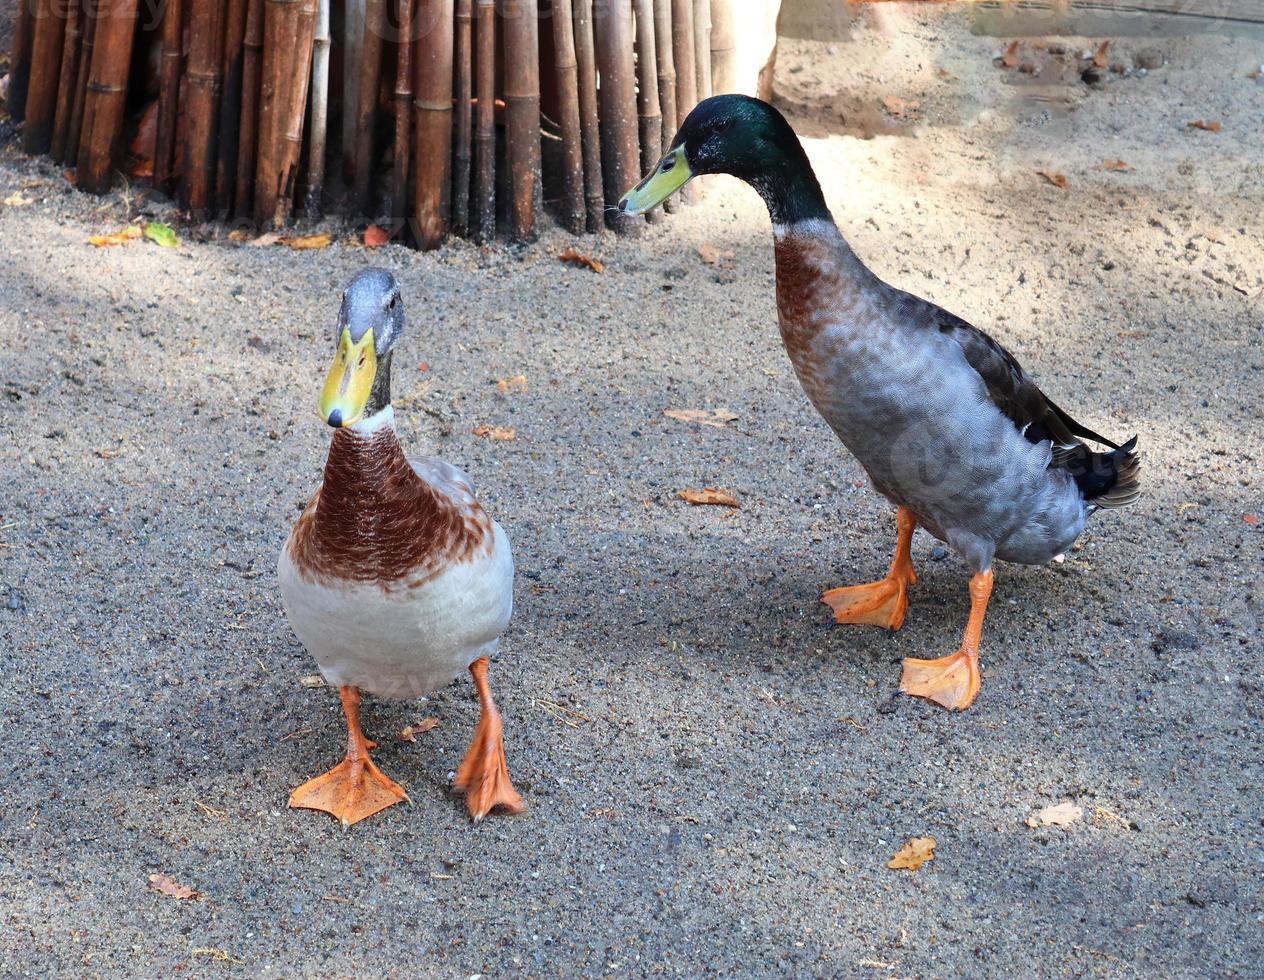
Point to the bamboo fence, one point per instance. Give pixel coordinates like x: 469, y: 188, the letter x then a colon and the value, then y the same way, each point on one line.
x: 425, y: 117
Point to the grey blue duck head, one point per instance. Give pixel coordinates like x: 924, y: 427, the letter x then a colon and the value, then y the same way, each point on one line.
x: 370, y: 323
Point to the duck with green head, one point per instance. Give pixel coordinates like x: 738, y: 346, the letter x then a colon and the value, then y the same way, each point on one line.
x: 946, y: 423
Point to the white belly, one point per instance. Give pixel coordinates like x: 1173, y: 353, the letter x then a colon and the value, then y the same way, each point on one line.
x: 402, y: 643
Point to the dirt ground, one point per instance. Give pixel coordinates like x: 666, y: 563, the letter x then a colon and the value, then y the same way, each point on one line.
x: 716, y: 775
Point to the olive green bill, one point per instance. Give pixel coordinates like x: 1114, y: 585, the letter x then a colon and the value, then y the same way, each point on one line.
x: 671, y: 174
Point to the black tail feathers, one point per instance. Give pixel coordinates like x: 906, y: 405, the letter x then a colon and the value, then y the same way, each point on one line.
x: 1110, y: 479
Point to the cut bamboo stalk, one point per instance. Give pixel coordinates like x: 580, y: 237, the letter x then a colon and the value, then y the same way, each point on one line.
x: 666, y: 81
x: 252, y: 104
x: 403, y: 113
x: 522, y: 113
x: 202, y: 82
x: 432, y: 116
x: 280, y: 29
x: 484, y: 204
x: 723, y: 48
x: 169, y: 72
x: 20, y: 60
x: 314, y: 202
x: 686, y: 77
x: 353, y: 30
x: 291, y: 110
x: 589, y: 123
x: 81, y: 88
x: 702, y: 47
x: 66, y: 84
x: 649, y: 110
x: 366, y: 107
x: 463, y: 121
x: 568, y: 117
x: 231, y: 106
x: 620, y: 155
x: 41, y: 93
x: 107, y: 92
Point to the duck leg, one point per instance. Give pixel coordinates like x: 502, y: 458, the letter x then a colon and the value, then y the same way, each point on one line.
x: 484, y: 776
x: 953, y: 681
x: 355, y: 788
x: 884, y: 602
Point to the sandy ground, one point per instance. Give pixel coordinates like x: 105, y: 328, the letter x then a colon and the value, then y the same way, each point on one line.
x: 717, y: 775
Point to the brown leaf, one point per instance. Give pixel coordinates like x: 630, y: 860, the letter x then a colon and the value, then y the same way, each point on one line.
x: 166, y: 885
x: 1056, y: 179
x: 717, y: 418
x: 509, y: 386
x: 304, y: 242
x: 1058, y: 815
x: 108, y: 453
x: 128, y: 234
x: 1101, y: 58
x: 238, y: 235
x: 712, y: 255
x: 710, y: 495
x: 897, y: 106
x: 409, y: 733
x: 1257, y: 74
x: 1252, y: 519
x: 267, y: 238
x: 496, y: 433
x: 1207, y: 125
x: 142, y: 146
x: 576, y: 257
x: 311, y: 680
x: 1010, y: 58
x: 945, y: 74
x: 914, y: 854
x: 1115, y: 165
x: 375, y: 236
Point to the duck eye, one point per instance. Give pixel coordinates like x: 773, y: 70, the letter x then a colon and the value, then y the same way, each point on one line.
x: 668, y: 163
x: 391, y: 304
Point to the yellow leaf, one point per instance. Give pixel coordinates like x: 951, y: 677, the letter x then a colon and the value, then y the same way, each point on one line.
x: 507, y: 386
x: 914, y: 854
x: 16, y: 200
x: 305, y: 242
x: 710, y: 495
x: 128, y: 234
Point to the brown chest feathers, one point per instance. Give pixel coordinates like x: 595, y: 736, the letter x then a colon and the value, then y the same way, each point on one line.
x: 375, y: 520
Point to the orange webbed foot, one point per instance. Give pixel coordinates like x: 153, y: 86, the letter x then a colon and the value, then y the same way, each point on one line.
x: 352, y: 790
x: 882, y: 603
x: 951, y: 681
x: 484, y: 774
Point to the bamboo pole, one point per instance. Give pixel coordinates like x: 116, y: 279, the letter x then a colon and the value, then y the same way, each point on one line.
x: 612, y: 30
x: 666, y: 81
x: 20, y: 60
x: 107, y: 91
x: 81, y: 87
x: 231, y: 106
x: 702, y: 47
x: 462, y: 124
x: 252, y: 102
x: 649, y: 109
x: 370, y: 68
x: 169, y: 72
x: 589, y: 124
x: 485, y: 122
x: 41, y: 93
x: 686, y: 76
x: 403, y: 113
x: 522, y: 112
x: 353, y: 30
x: 294, y: 112
x: 314, y: 202
x: 568, y: 117
x: 432, y: 105
x: 723, y: 47
x: 280, y: 29
x: 66, y: 84
x: 202, y: 81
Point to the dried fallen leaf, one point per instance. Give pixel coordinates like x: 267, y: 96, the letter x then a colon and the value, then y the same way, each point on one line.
x: 1010, y: 58
x: 1115, y: 165
x: 375, y: 236
x: 409, y: 733
x: 1207, y: 125
x: 1257, y: 74
x: 162, y: 234
x: 16, y: 200
x: 710, y: 495
x: 108, y: 453
x: 238, y: 235
x: 219, y: 955
x: 1101, y: 57
x: 267, y: 238
x: 1058, y: 815
x: 312, y: 680
x: 945, y: 74
x: 304, y: 242
x: 914, y: 854
x: 576, y: 257
x: 1133, y: 334
x: 712, y: 255
x: 128, y: 234
x: 717, y: 418
x: 508, y: 386
x: 1056, y: 179
x: 496, y: 433
x: 166, y: 885
x: 898, y: 107
x: 1252, y: 519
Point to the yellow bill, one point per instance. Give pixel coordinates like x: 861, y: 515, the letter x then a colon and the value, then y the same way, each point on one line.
x: 350, y: 381
x: 671, y: 174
